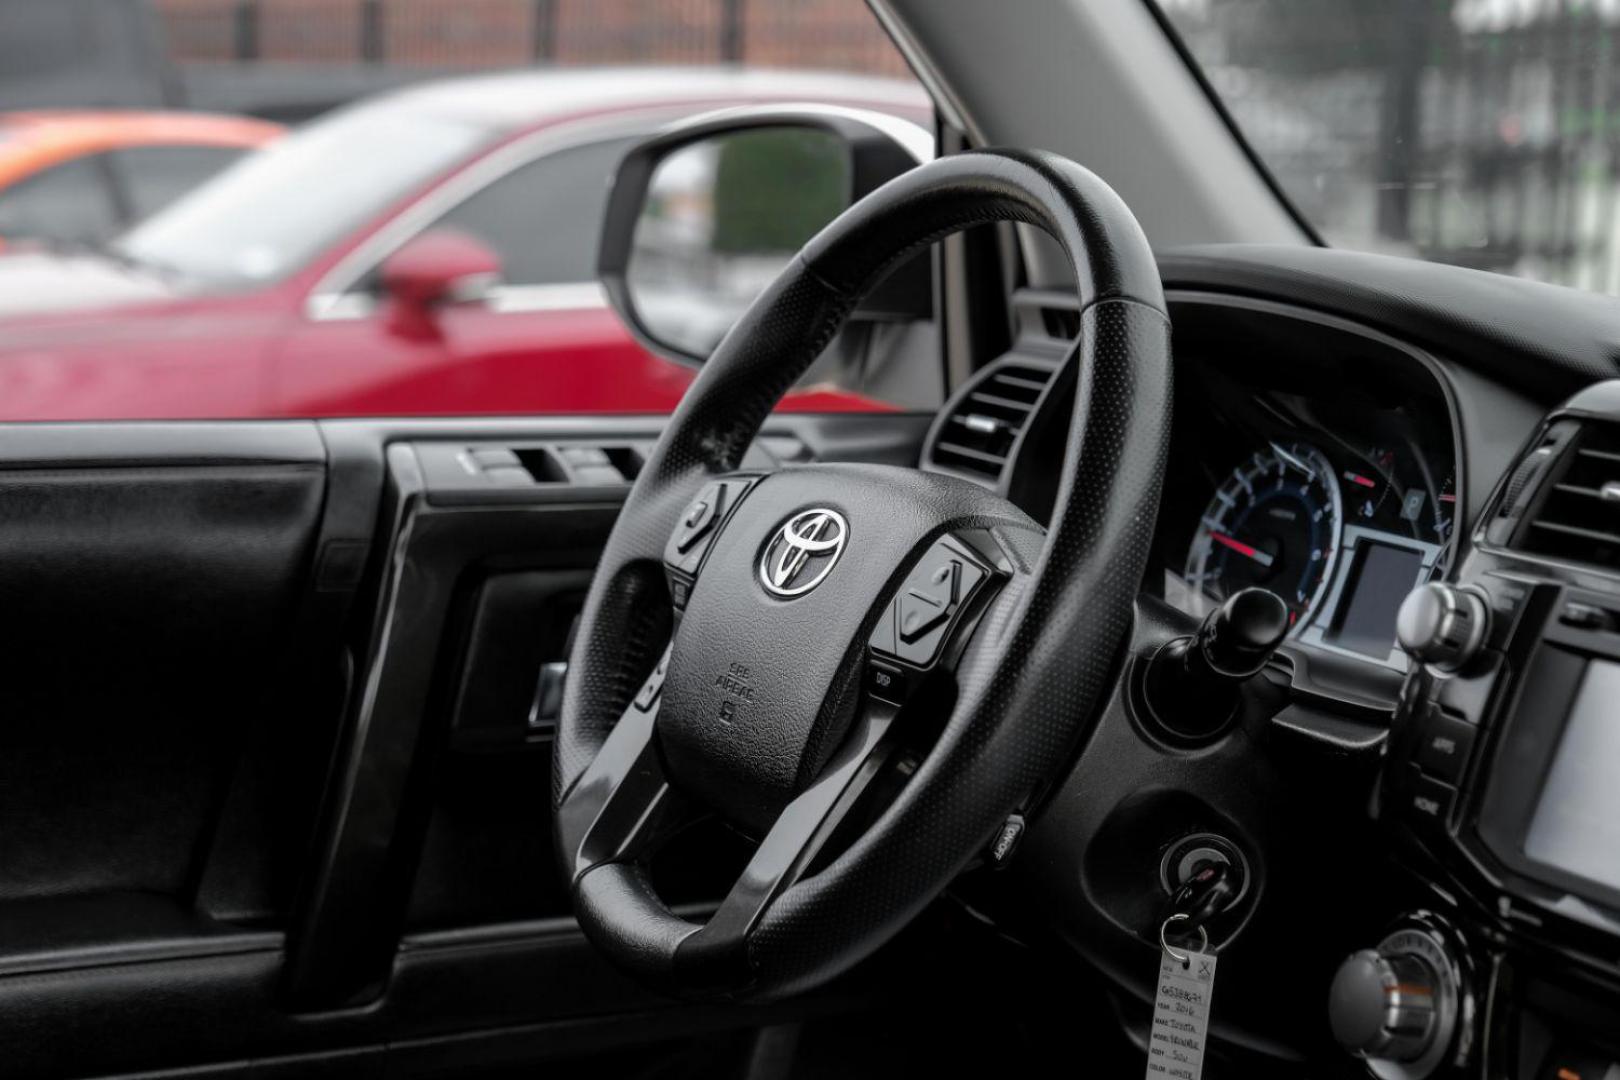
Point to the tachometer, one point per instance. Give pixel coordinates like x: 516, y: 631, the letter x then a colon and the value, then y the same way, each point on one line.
x: 1273, y: 523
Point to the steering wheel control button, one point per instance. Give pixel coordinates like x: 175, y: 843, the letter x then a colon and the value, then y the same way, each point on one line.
x: 700, y: 517
x: 680, y: 589
x: 887, y: 682
x: 1444, y: 744
x: 700, y: 523
x: 1002, y: 847
x: 647, y: 697
x: 920, y: 613
x: 919, y: 620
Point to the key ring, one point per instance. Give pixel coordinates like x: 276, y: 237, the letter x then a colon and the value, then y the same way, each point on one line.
x: 1182, y: 958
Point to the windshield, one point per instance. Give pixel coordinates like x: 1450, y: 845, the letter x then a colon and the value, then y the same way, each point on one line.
x: 1474, y: 132
x: 273, y: 211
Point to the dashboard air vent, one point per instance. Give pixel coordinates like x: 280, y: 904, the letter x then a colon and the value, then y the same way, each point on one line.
x: 977, y: 433
x: 1061, y: 323
x: 1578, y: 515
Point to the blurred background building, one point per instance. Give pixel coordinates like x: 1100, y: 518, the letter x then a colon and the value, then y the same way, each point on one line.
x: 289, y: 59
x: 1479, y: 132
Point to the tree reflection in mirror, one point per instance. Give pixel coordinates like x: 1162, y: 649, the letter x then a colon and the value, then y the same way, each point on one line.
x: 722, y: 217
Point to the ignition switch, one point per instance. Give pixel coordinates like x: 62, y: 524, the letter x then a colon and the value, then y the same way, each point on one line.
x: 1207, y: 879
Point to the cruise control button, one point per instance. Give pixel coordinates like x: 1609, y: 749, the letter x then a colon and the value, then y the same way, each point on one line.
x: 917, y: 622
x: 1006, y: 841
x: 920, y: 613
x: 1444, y: 743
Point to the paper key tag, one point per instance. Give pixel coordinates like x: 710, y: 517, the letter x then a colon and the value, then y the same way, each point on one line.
x: 1180, y: 1017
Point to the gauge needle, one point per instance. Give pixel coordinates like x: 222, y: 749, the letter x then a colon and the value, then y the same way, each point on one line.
x: 1241, y: 548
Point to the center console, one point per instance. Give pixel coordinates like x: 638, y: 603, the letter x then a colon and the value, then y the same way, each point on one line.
x: 1502, y: 787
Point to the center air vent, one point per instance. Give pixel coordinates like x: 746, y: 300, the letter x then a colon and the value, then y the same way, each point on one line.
x: 978, y: 430
x: 1576, y: 516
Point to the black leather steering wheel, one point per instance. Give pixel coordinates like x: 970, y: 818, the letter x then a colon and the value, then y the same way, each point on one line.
x: 817, y: 616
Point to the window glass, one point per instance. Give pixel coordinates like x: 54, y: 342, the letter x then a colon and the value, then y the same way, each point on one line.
x: 370, y: 121
x: 1473, y: 132
x: 544, y: 218
x: 152, y: 177
x: 270, y: 213
x: 68, y: 204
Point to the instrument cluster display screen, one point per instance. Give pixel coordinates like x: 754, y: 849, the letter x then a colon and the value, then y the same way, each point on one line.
x: 1378, y: 582
x: 1576, y: 824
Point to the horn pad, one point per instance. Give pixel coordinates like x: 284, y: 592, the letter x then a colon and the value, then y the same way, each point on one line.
x: 765, y: 671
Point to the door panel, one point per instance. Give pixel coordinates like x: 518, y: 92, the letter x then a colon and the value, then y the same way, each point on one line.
x: 270, y: 798
x: 146, y: 602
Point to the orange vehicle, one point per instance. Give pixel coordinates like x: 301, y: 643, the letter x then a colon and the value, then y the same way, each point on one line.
x: 78, y: 177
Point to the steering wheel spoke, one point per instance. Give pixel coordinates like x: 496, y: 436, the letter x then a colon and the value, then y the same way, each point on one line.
x: 717, y: 953
x: 622, y: 806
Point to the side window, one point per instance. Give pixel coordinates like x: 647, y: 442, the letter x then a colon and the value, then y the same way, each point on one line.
x: 544, y: 218
x: 68, y: 203
x: 154, y: 176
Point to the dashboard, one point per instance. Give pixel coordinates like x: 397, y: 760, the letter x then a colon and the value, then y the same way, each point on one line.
x: 1433, y: 813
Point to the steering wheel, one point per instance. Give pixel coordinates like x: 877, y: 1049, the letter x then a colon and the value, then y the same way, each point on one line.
x: 758, y: 646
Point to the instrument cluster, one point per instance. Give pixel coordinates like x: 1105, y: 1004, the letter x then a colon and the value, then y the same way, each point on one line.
x: 1326, y: 482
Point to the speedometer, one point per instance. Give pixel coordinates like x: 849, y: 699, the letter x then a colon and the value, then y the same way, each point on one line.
x: 1274, y: 523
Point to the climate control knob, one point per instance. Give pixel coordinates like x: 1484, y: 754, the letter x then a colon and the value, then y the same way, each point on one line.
x: 1404, y: 1007
x: 1442, y: 625
x: 1383, y: 1006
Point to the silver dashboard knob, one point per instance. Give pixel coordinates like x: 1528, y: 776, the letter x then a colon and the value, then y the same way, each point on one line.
x: 1384, y: 1006
x: 1442, y: 625
x: 1404, y: 1008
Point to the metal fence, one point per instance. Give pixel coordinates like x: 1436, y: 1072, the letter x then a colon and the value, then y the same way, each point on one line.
x: 471, y: 34
x: 1479, y: 132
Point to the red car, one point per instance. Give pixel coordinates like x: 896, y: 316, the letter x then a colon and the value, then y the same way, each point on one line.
x: 328, y: 274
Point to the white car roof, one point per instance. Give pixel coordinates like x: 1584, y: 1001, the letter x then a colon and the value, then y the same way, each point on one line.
x: 525, y: 98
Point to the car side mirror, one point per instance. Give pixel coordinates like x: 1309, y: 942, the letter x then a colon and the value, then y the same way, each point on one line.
x: 701, y: 218
x: 438, y: 267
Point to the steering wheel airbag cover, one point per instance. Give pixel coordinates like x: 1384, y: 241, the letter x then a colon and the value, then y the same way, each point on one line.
x: 760, y: 687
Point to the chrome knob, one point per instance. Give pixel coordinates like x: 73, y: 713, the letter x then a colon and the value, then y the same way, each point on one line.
x: 1442, y: 625
x: 1383, y: 1007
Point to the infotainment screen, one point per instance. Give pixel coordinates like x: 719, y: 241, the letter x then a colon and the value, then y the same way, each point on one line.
x: 1576, y: 824
x: 1380, y: 579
